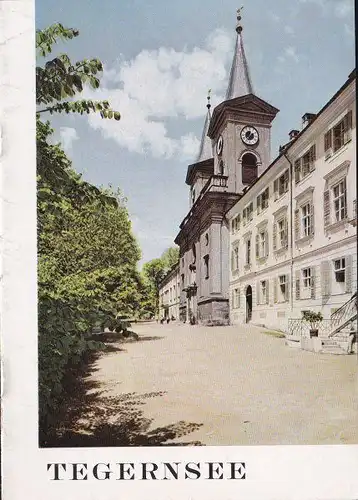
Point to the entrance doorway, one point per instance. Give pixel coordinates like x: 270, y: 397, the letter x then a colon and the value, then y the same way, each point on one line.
x: 248, y: 304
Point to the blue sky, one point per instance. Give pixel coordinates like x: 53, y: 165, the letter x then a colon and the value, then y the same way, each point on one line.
x: 160, y: 59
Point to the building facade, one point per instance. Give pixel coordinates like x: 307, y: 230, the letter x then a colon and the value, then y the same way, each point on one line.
x: 234, y: 150
x: 293, y: 232
x: 169, y: 295
x: 265, y: 240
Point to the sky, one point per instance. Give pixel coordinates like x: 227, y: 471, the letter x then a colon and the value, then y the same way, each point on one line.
x: 160, y: 58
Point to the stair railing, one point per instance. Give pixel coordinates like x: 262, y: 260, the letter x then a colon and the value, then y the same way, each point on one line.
x: 344, y: 315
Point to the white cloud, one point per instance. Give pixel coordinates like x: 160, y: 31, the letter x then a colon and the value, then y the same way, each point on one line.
x: 349, y: 30
x: 274, y: 17
x: 68, y: 136
x: 340, y: 8
x: 290, y: 53
x: 344, y: 8
x: 289, y: 30
x: 161, y: 84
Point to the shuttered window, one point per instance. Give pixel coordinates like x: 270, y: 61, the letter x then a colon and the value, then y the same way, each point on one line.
x: 325, y: 278
x: 338, y: 136
x: 340, y: 200
x: 298, y: 284
x: 306, y: 164
x: 297, y: 225
x: 326, y: 208
x: 349, y: 272
x: 262, y: 249
x: 313, y: 283
x: 248, y: 252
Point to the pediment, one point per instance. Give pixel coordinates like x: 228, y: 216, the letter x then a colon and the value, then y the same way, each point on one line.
x: 248, y: 104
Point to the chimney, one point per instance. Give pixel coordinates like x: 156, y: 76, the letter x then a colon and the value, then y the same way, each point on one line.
x: 307, y: 119
x: 294, y: 133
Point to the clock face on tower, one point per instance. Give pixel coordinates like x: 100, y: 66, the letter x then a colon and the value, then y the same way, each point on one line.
x: 219, y: 145
x: 249, y: 135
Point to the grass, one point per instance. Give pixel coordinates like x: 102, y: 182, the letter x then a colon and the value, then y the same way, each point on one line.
x: 272, y: 333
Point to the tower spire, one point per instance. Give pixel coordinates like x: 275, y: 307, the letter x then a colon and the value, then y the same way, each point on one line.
x: 205, y: 150
x: 239, y: 80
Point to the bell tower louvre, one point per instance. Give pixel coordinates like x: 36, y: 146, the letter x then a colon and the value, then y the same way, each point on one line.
x: 234, y: 151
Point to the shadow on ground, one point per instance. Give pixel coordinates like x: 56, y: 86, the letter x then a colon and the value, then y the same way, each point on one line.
x: 90, y: 418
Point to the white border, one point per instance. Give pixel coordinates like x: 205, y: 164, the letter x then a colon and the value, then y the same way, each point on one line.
x: 277, y: 472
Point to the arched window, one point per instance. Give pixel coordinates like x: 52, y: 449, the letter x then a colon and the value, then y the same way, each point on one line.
x: 249, y: 168
x: 193, y: 249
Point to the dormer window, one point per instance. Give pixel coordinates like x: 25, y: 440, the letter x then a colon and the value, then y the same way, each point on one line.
x: 249, y: 168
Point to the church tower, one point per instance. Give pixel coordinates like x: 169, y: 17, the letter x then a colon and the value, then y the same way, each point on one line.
x: 240, y: 127
x: 234, y: 151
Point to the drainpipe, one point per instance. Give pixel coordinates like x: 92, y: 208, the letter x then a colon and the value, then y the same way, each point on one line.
x: 291, y: 227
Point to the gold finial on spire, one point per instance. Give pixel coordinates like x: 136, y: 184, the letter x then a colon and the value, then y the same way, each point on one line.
x: 238, y: 17
x: 208, y: 98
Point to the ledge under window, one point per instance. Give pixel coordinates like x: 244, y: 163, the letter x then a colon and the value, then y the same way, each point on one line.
x: 303, y: 239
x: 337, y: 225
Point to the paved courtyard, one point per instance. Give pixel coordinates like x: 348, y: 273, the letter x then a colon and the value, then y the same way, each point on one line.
x: 234, y: 386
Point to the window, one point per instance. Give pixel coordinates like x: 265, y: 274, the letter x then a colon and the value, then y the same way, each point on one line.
x: 340, y: 200
x: 340, y: 270
x: 281, y: 289
x: 193, y: 196
x: 235, y: 224
x: 306, y: 276
x: 248, y: 252
x: 206, y: 266
x: 263, y: 292
x: 193, y: 251
x: 221, y: 168
x: 236, y: 298
x: 248, y: 213
x: 261, y: 244
x: 306, y: 159
x: 283, y: 183
x: 249, y: 168
x: 338, y: 136
x: 182, y: 281
x: 280, y: 185
x: 262, y: 200
x: 305, y: 164
x: 235, y: 258
x: 306, y: 220
x: 282, y: 233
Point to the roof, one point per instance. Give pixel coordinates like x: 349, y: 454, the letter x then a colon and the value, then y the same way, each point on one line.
x: 205, y: 150
x: 239, y: 80
x: 286, y: 148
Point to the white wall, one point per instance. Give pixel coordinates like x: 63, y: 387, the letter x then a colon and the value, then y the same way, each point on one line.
x: 326, y: 244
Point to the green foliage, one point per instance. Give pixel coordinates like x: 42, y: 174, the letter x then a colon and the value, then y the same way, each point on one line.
x: 60, y: 80
x: 87, y: 254
x: 170, y: 257
x: 87, y: 267
x: 313, y: 318
x: 153, y: 274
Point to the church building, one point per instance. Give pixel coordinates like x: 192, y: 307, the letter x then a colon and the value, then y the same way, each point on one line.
x: 264, y: 241
x: 234, y: 151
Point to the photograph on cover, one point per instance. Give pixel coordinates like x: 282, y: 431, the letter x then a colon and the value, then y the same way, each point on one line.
x: 196, y: 201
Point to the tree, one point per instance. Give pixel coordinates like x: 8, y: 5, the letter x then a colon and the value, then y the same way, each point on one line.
x: 170, y: 257
x: 59, y: 80
x: 87, y: 254
x: 154, y: 272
